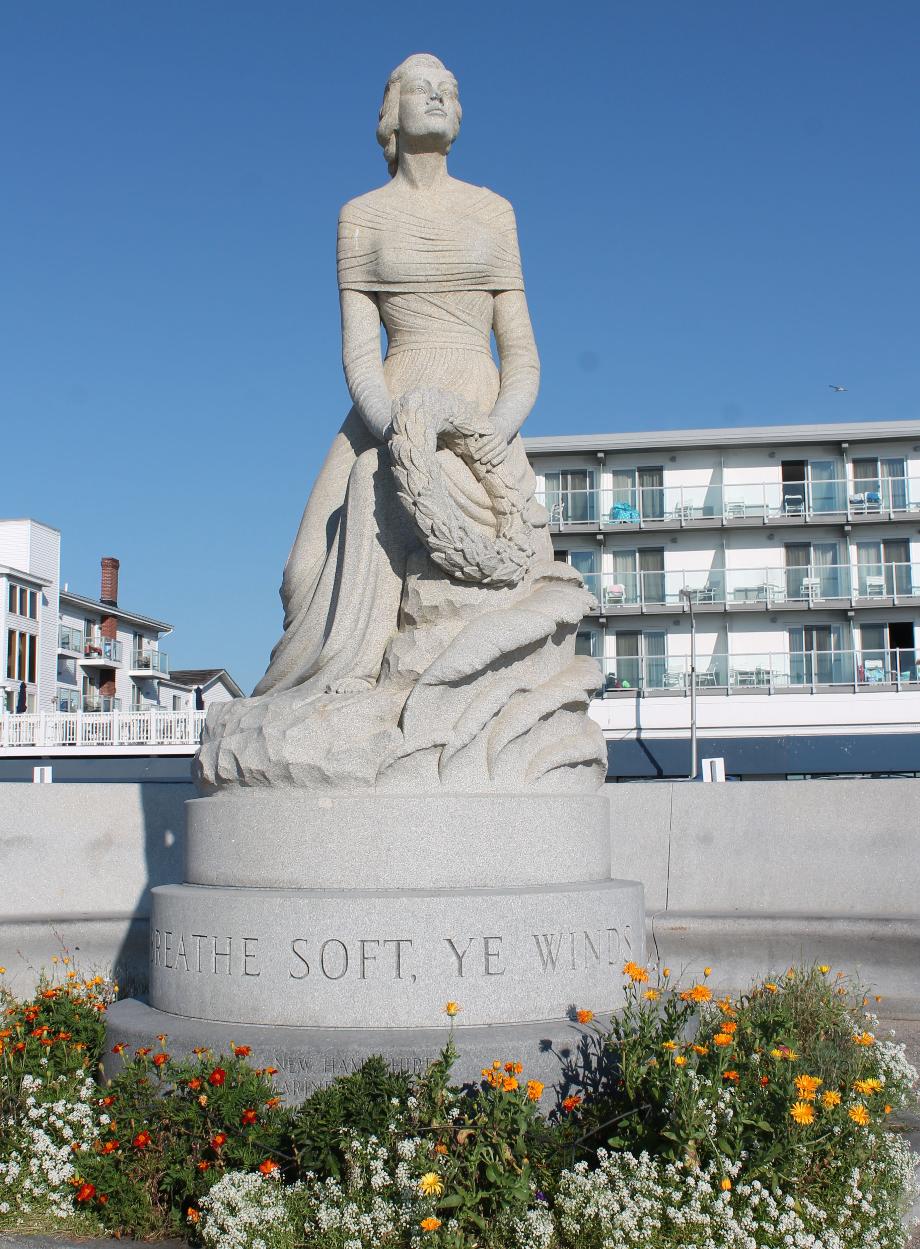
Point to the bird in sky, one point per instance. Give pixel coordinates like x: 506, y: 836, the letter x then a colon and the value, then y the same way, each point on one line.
x: 837, y: 389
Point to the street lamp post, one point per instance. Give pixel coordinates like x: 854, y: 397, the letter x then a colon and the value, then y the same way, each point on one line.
x: 694, y: 762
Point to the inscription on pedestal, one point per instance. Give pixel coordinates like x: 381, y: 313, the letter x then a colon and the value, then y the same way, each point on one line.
x: 390, y: 958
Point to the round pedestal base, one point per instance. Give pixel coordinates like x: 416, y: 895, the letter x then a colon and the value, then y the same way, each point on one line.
x: 559, y: 1053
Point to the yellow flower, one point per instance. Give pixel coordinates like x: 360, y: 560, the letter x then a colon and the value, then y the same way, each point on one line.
x: 722, y: 1039
x: 830, y: 1099
x: 726, y: 1184
x: 651, y: 995
x: 452, y: 1008
x: 431, y: 1184
x: 680, y: 1060
x: 807, y: 1086
x: 534, y: 1090
x: 728, y: 1027
x: 707, y: 971
x: 864, y: 1038
x: 770, y: 986
x: 887, y: 1110
x: 868, y: 1087
x: 669, y: 1045
x: 431, y: 1224
x: 824, y: 968
x: 584, y: 1016
x: 637, y: 974
x: 2, y: 971
x: 790, y: 974
x: 665, y: 971
x: 701, y: 1050
x: 859, y: 1114
x: 803, y: 1112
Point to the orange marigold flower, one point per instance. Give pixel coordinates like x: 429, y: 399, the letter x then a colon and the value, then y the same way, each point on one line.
x: 86, y: 1192
x: 161, y: 1037
x: 242, y: 1051
x: 570, y: 1103
x: 204, y: 1166
x: 217, y: 1077
x: 864, y: 1038
x: 272, y: 1102
x: 431, y: 1224
x: 142, y: 1052
x: 702, y: 1050
x: 440, y: 1148
x: 160, y: 1060
x: 509, y: 1084
x: 119, y: 1048
x: 270, y: 1071
x: 141, y: 1141
x: 722, y: 1039
x: 803, y: 1112
x: 195, y: 1083
x: 534, y: 1090
x: 268, y: 1166
x: 218, y: 1140
x: 830, y: 1099
x: 584, y: 1016
x: 192, y: 1215
x: 109, y: 1147
x: 699, y: 993
x: 764, y: 1081
x: 637, y: 974
x: 859, y: 1114
x: 249, y: 1116
x: 731, y: 1075
x: 729, y: 1027
x: 199, y: 1050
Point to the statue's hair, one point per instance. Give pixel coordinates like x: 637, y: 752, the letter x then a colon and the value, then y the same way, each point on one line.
x: 388, y: 124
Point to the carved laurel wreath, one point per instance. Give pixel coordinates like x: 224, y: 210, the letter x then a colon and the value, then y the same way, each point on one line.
x: 421, y: 419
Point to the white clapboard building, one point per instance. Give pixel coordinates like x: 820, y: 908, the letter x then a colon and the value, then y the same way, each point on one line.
x: 795, y: 548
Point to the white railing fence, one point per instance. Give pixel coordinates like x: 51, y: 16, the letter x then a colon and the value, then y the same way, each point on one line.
x: 102, y: 730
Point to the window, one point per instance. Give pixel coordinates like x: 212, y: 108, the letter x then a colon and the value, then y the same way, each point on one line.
x: 67, y: 700
x: 883, y: 568
x: 887, y: 650
x: 588, y: 564
x: 21, y: 649
x: 813, y: 486
x: 641, y: 661
x: 651, y: 493
x: 23, y: 602
x: 638, y: 493
x: 571, y: 496
x: 817, y: 656
x: 177, y: 702
x: 813, y: 571
x: 882, y: 482
x: 638, y: 576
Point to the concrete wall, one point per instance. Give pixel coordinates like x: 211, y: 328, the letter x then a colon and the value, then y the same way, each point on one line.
x: 744, y: 878
x: 750, y: 877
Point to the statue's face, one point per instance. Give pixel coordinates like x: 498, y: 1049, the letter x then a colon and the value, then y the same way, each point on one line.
x: 429, y: 105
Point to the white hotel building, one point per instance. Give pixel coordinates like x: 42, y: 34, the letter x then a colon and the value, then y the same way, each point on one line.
x: 85, y: 672
x: 797, y: 551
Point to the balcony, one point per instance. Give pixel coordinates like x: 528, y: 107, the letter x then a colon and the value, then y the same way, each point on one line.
x: 70, y: 640
x: 756, y: 589
x: 735, y: 505
x: 102, y: 704
x: 109, y: 732
x: 100, y: 652
x: 764, y: 673
x: 148, y: 663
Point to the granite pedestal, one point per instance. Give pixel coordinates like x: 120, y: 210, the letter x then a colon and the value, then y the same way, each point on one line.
x: 322, y: 930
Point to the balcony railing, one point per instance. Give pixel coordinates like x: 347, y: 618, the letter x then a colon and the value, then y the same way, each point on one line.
x: 148, y: 660
x: 727, y: 503
x: 104, y: 730
x: 100, y: 703
x: 70, y: 639
x: 766, y: 672
x: 97, y: 648
x: 806, y: 585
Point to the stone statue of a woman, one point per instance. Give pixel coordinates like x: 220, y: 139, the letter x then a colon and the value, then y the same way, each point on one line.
x: 429, y: 637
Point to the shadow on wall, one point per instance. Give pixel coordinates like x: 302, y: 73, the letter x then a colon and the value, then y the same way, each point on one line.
x: 162, y: 809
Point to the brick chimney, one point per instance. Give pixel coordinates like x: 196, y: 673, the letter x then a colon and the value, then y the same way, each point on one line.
x: 109, y: 595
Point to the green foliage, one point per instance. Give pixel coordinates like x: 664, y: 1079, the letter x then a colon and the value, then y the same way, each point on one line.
x: 176, y: 1127
x: 788, y: 1077
x: 364, y: 1103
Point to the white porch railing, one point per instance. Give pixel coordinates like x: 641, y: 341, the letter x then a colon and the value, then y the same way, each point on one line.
x: 102, y: 730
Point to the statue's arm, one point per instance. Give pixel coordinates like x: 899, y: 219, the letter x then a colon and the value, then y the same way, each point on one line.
x: 362, y: 363
x: 518, y: 362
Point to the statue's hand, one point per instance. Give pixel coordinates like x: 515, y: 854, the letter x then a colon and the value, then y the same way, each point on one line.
x: 489, y: 449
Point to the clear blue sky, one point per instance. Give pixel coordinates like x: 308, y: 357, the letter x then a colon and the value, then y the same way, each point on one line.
x: 717, y: 201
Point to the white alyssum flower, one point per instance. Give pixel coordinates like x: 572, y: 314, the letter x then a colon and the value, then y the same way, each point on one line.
x: 42, y: 1150
x: 247, y: 1210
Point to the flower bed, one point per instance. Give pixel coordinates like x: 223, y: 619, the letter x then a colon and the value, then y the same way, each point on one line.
x: 692, y: 1122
